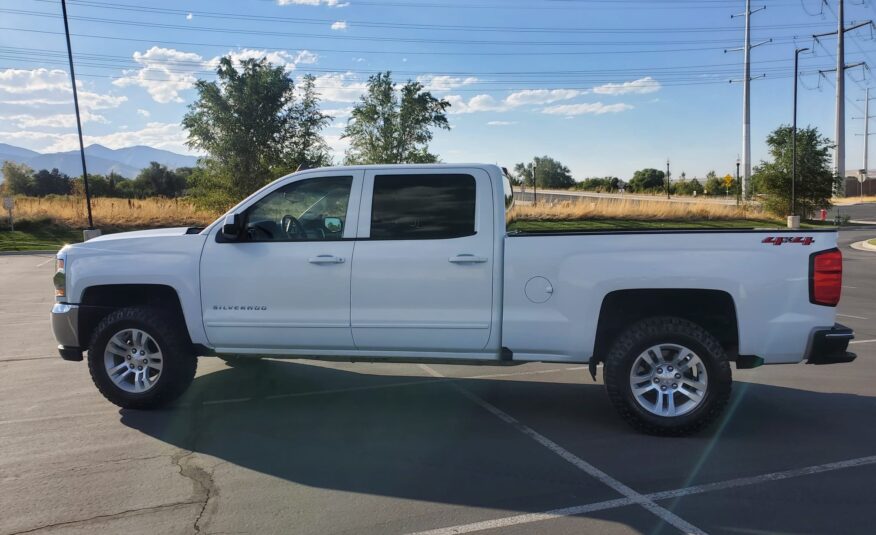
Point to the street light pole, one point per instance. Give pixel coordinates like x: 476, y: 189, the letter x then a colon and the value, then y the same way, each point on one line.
x: 738, y: 185
x: 78, y: 120
x: 794, y: 135
x: 668, y: 196
x: 534, y: 183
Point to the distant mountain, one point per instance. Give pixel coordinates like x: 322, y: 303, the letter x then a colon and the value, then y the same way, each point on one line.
x: 100, y: 160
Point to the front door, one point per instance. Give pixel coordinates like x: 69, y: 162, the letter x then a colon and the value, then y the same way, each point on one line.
x: 286, y: 284
x: 423, y: 264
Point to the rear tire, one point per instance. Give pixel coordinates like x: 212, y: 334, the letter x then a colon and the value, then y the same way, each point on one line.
x: 667, y: 376
x: 138, y: 359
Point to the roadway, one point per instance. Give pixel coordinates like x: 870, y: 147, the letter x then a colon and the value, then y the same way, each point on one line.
x: 309, y: 447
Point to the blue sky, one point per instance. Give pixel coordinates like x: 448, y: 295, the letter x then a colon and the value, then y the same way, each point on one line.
x: 605, y: 86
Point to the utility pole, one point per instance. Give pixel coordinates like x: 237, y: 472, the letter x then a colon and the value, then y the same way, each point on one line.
x: 839, y: 151
x: 668, y: 196
x: 78, y: 120
x: 746, y: 93
x: 794, y: 134
x: 534, y: 182
x: 865, y: 170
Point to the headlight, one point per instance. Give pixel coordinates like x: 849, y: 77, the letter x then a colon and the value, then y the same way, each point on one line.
x: 60, y: 279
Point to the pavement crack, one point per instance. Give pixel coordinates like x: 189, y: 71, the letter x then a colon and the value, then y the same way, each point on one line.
x: 203, y: 486
x: 104, y: 517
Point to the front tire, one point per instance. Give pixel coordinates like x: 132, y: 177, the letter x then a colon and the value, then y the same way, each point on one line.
x: 139, y: 360
x: 668, y: 376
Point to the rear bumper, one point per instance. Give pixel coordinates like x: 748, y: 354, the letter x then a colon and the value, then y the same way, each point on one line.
x: 65, y: 325
x: 829, y: 346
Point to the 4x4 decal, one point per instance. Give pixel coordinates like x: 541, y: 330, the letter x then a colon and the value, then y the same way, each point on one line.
x: 779, y: 240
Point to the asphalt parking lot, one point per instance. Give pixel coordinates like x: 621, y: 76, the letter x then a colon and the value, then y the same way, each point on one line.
x: 309, y: 447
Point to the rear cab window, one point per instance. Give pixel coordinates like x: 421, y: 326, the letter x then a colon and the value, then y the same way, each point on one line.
x: 423, y: 206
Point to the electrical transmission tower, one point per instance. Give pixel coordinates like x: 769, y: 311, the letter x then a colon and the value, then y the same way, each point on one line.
x: 746, y: 94
x: 839, y: 152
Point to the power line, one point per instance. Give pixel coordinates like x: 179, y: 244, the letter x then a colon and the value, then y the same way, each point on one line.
x: 434, y: 27
x: 397, y: 52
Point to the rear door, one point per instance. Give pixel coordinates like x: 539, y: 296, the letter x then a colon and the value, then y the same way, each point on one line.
x: 423, y: 265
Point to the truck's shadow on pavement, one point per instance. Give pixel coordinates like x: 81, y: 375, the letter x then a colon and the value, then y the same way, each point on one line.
x: 424, y: 441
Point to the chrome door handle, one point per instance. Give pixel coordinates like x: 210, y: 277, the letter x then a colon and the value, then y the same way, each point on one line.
x: 326, y: 259
x: 466, y: 259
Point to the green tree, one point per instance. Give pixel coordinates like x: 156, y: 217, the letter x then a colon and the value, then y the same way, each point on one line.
x: 17, y: 179
x: 649, y: 179
x: 390, y: 126
x: 815, y: 180
x: 158, y: 180
x: 714, y: 184
x: 606, y: 185
x: 307, y: 146
x: 50, y: 183
x: 546, y: 172
x: 246, y: 122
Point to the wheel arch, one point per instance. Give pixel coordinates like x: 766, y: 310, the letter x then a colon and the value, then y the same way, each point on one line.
x: 713, y: 310
x: 100, y: 300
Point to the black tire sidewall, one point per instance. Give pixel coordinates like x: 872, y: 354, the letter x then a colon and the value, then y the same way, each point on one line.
x: 655, y: 331
x: 176, y: 365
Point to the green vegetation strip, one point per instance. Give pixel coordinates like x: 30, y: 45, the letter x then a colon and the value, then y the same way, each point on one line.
x: 35, y: 237
x: 872, y: 242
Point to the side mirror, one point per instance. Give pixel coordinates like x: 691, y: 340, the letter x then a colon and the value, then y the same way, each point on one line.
x: 232, y: 227
x: 333, y: 224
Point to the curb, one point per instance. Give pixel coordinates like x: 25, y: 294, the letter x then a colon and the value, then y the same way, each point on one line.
x: 25, y: 253
x: 864, y: 246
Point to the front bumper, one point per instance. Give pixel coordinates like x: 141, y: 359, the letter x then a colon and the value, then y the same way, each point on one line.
x: 65, y: 325
x: 829, y: 346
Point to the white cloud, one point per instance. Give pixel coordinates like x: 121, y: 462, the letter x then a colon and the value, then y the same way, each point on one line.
x: 188, y: 16
x: 477, y: 103
x: 484, y: 102
x: 445, y: 83
x: 340, y: 87
x: 329, y: 3
x: 45, y: 87
x: 60, y: 120
x: 168, y: 136
x: 338, y: 113
x: 166, y: 72
x: 339, y: 25
x: 640, y: 87
x: 501, y: 123
x: 590, y: 108
x: 143, y: 113
x: 290, y: 61
x: 540, y: 96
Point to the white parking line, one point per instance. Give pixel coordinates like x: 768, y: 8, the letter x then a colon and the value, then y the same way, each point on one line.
x: 654, y: 496
x: 850, y: 316
x: 862, y: 341
x: 635, y: 498
x: 46, y: 262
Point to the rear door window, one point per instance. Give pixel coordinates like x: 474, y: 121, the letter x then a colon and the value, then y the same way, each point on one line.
x: 420, y: 207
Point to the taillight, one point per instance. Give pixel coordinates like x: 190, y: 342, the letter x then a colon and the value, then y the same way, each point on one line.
x: 826, y: 277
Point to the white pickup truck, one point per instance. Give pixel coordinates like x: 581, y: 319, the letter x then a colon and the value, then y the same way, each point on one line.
x: 413, y: 263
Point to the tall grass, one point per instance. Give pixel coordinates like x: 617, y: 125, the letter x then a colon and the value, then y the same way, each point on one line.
x: 591, y: 208
x: 158, y: 212
x: 110, y: 212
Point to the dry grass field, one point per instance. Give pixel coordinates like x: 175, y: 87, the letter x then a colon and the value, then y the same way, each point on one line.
x: 112, y: 213
x: 845, y: 201
x: 631, y: 209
